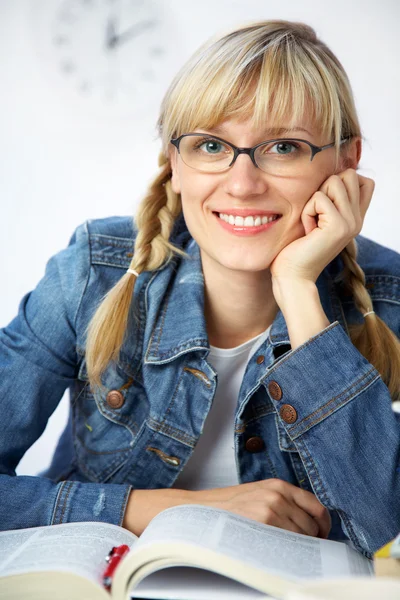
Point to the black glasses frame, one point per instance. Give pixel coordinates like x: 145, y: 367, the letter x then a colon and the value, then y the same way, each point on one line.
x: 250, y: 151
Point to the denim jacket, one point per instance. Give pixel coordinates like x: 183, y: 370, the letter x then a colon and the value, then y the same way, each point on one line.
x: 343, y: 444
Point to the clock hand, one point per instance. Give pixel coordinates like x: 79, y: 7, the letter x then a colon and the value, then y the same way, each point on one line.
x: 117, y: 39
x: 110, y: 32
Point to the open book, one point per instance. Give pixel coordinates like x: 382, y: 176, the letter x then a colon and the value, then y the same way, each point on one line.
x: 188, y: 552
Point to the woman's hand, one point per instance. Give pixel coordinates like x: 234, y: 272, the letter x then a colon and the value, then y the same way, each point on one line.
x: 271, y: 501
x: 332, y: 217
x: 274, y: 502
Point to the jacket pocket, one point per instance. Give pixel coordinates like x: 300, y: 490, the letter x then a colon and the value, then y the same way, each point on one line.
x: 106, y: 425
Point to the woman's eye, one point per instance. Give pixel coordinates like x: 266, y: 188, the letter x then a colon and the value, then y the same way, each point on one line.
x: 211, y: 146
x: 283, y: 147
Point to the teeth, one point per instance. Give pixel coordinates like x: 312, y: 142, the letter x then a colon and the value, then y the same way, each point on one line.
x: 249, y: 221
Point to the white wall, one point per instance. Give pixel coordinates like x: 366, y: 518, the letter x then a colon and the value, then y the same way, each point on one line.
x: 63, y: 161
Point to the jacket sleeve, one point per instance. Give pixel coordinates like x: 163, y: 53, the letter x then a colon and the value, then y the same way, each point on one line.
x: 346, y: 433
x: 38, y: 361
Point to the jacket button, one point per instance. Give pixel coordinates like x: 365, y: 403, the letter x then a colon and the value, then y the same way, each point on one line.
x: 255, y: 444
x: 288, y: 413
x: 275, y: 390
x: 115, y: 399
x: 260, y: 359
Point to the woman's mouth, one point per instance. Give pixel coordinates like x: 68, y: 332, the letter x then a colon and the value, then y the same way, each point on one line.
x: 248, y: 225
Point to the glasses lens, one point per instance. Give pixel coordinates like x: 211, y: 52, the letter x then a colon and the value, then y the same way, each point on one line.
x: 283, y: 157
x: 205, y: 153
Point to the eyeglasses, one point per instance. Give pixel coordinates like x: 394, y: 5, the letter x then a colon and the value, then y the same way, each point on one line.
x: 210, y: 154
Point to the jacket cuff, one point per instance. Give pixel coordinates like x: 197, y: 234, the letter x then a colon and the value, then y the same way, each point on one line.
x: 317, y: 378
x: 77, y: 502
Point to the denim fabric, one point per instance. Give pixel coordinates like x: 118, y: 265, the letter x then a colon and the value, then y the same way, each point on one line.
x: 344, y: 446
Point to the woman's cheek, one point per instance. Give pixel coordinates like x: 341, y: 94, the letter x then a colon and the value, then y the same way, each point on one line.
x: 296, y: 229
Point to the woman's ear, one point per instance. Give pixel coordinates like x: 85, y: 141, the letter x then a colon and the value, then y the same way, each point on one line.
x: 175, y: 181
x: 352, y: 154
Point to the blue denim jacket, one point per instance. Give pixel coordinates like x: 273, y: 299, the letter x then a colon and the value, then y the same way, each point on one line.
x: 343, y: 446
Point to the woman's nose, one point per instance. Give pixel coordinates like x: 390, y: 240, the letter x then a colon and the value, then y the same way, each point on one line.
x: 244, y: 178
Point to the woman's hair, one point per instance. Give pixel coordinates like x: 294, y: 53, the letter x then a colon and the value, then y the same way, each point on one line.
x: 275, y: 68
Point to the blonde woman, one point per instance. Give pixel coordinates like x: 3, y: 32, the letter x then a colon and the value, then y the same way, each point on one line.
x: 236, y: 345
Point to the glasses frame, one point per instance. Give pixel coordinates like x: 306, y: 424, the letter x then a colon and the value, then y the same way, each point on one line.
x: 250, y: 151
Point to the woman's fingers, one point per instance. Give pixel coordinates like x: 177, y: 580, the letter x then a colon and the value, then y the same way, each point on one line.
x: 304, y: 521
x: 273, y: 502
x: 350, y: 180
x: 271, y: 510
x: 349, y: 189
x: 299, y: 524
x: 367, y: 187
x: 291, y: 513
x: 343, y: 191
x: 309, y: 503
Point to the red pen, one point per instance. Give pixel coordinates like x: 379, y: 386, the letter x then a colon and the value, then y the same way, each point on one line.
x: 113, y: 559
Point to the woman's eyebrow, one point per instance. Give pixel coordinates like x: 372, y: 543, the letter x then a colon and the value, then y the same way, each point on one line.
x: 268, y: 132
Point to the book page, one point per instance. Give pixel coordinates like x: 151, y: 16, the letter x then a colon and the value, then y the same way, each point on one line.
x: 77, y: 547
x: 271, y: 549
x: 186, y: 583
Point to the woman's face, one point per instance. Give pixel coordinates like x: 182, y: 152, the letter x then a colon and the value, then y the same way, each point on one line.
x: 246, y: 190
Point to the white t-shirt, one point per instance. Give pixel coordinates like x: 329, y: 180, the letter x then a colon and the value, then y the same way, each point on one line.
x: 212, y: 463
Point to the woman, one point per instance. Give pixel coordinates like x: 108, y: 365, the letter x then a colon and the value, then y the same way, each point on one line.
x: 236, y: 346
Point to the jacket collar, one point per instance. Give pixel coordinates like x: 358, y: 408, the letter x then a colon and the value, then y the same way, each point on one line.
x: 178, y: 315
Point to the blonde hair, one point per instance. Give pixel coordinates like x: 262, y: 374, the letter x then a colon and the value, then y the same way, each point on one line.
x: 275, y: 68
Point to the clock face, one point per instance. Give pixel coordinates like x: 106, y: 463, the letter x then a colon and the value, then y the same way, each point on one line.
x: 110, y: 57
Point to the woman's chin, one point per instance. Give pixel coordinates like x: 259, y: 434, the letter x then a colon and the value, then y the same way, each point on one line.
x: 243, y: 264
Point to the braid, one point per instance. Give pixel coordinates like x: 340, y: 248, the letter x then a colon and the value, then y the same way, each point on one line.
x: 373, y: 338
x: 155, y: 220
x: 354, y: 278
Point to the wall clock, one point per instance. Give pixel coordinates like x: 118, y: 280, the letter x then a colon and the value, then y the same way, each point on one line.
x: 108, y: 57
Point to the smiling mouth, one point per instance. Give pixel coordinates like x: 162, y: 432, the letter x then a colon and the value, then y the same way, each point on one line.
x: 248, y: 221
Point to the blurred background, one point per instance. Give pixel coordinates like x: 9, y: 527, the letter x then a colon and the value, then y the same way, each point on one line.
x: 77, y: 119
